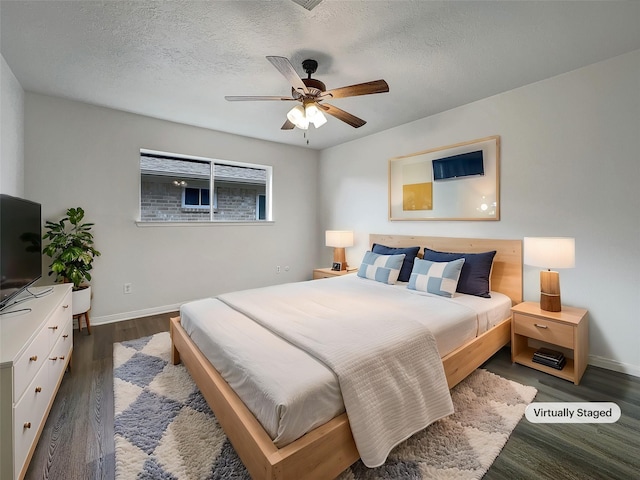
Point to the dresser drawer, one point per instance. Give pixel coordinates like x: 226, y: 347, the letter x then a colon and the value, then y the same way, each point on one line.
x: 28, y: 414
x: 61, y: 352
x: 58, y: 319
x: 543, y: 329
x: 65, y: 341
x: 29, y: 363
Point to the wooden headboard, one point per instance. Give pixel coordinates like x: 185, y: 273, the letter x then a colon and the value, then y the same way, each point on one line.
x: 506, y: 276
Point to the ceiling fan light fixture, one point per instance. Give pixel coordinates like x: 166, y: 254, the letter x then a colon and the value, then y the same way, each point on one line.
x: 297, y: 116
x: 310, y: 91
x: 318, y: 119
x: 311, y: 110
x: 302, y: 116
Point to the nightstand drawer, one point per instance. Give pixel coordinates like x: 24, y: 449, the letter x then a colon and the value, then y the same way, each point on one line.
x: 543, y: 329
x: 319, y: 275
x: 328, y: 273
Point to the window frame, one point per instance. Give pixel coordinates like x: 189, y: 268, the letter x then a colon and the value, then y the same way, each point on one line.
x: 212, y: 188
x: 200, y: 205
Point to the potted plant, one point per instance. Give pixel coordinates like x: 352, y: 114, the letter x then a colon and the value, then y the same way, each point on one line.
x: 71, y: 249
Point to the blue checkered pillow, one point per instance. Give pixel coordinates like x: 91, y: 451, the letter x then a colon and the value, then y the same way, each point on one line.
x: 439, y: 278
x: 381, y: 268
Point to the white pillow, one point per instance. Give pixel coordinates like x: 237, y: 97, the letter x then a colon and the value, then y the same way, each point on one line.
x: 381, y: 268
x: 439, y: 278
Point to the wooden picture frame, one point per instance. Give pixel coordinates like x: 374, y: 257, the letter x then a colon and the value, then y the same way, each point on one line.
x: 414, y: 194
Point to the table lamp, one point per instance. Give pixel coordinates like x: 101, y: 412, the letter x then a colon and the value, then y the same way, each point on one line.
x: 339, y: 239
x: 550, y: 252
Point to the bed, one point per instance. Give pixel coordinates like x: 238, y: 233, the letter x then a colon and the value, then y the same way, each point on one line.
x: 329, y: 448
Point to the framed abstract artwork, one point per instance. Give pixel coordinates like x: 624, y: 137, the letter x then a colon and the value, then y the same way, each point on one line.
x: 454, y: 182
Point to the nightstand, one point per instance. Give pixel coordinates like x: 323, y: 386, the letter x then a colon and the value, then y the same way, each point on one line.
x: 568, y: 328
x: 327, y: 272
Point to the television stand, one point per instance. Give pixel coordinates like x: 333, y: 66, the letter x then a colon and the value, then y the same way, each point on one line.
x: 35, y: 350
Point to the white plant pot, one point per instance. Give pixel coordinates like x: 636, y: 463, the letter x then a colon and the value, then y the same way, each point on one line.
x: 81, y: 300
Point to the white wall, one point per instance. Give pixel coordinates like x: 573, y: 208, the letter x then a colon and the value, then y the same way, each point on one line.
x: 82, y: 155
x: 12, y: 134
x: 570, y: 167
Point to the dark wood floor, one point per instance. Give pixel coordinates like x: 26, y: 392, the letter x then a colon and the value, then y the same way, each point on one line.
x: 77, y: 442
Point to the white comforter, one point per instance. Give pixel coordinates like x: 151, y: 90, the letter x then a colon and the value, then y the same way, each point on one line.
x: 387, y: 363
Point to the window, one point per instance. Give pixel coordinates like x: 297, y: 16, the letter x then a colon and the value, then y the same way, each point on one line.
x: 195, y: 198
x: 177, y: 188
x: 261, y: 208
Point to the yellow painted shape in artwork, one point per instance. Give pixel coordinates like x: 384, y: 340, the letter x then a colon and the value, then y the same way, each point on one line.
x: 417, y: 196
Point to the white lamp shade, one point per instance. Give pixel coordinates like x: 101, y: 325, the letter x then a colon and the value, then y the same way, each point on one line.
x: 314, y: 115
x: 297, y: 116
x: 319, y: 119
x: 311, y: 111
x: 339, y: 238
x: 550, y: 252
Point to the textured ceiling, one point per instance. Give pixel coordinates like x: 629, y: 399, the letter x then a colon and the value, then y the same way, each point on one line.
x: 177, y: 60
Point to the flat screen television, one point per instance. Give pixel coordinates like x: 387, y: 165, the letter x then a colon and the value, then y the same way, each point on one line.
x: 463, y: 165
x: 20, y: 246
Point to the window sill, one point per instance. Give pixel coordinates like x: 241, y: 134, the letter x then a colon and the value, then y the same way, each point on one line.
x: 140, y: 223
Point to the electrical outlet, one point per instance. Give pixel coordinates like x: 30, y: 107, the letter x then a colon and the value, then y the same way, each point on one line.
x: 126, y: 288
x: 278, y: 269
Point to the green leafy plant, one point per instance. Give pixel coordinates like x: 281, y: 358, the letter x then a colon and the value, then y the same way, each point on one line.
x: 70, y: 248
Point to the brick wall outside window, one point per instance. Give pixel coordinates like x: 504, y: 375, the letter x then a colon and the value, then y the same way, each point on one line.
x: 162, y: 202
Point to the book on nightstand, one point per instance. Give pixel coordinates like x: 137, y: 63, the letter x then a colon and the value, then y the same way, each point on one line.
x: 550, y: 358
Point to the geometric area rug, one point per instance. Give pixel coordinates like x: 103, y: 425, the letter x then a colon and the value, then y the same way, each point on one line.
x: 164, y: 428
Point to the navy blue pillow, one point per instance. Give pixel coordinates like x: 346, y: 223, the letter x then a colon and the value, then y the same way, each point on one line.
x: 407, y: 265
x: 474, y: 277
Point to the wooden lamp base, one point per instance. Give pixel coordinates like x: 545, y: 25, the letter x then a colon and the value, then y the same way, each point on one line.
x: 550, y: 291
x: 339, y: 256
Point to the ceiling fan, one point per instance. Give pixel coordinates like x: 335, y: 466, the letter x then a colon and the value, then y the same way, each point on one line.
x: 311, y: 93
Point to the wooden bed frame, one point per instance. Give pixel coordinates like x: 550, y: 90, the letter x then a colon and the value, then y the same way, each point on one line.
x: 329, y: 449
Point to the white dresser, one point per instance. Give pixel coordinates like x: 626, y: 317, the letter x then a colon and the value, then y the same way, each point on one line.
x: 35, y: 349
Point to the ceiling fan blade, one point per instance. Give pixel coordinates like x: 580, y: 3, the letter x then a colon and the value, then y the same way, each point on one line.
x: 234, y: 98
x: 287, y: 125
x: 377, y: 86
x: 342, y: 115
x: 285, y: 68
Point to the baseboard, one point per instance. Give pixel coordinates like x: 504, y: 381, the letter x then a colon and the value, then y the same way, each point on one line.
x: 609, y: 364
x: 119, y: 317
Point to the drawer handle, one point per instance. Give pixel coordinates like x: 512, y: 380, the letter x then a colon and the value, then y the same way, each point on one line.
x: 62, y: 357
x: 27, y: 425
x: 34, y: 358
x: 54, y: 328
x: 65, y: 336
x: 65, y: 306
x: 540, y: 326
x: 54, y: 358
x: 38, y: 389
